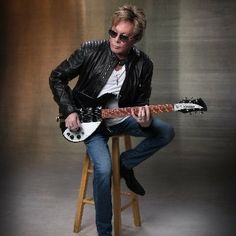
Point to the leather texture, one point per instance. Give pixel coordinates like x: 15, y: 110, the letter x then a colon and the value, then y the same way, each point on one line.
x: 94, y: 63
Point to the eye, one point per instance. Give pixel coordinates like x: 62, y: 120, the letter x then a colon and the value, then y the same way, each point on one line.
x: 124, y: 38
x: 112, y: 33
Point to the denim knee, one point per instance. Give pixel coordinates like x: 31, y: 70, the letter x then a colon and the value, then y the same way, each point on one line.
x: 162, y: 129
x: 102, y: 173
x: 169, y: 134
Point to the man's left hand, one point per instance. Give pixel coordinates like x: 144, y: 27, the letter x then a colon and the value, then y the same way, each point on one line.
x: 143, y: 117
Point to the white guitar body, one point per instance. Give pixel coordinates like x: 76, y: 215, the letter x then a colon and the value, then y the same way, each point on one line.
x: 86, y: 129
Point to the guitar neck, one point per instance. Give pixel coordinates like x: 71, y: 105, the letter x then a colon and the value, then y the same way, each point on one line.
x: 125, y: 111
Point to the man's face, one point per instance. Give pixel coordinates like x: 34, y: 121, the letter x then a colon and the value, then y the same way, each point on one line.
x: 122, y: 38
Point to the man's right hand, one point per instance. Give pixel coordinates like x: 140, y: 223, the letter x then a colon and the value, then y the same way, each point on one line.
x: 72, y: 121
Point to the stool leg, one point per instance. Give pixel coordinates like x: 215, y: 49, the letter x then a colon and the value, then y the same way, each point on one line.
x: 133, y: 196
x: 82, y: 193
x: 116, y: 186
x: 127, y: 141
x: 135, y: 210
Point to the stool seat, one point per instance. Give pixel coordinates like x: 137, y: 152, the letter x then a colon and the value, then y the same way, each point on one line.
x: 117, y: 207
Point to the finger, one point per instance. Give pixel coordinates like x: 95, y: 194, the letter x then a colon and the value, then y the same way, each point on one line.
x: 77, y: 121
x: 147, y: 111
x: 140, y: 112
x: 138, y: 116
x: 68, y: 124
x: 133, y: 113
x: 143, y: 113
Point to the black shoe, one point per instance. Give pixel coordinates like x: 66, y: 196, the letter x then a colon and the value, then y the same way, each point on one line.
x: 131, y: 181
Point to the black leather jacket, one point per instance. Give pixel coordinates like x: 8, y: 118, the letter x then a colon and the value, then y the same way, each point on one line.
x: 94, y: 63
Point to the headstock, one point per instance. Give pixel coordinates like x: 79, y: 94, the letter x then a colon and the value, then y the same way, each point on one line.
x: 191, y: 105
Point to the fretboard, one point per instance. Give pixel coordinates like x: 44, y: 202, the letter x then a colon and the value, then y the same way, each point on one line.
x: 125, y: 111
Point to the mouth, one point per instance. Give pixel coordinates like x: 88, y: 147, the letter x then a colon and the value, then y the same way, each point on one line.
x: 115, y: 46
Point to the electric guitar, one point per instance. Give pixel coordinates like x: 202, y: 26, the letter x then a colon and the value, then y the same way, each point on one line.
x: 92, y: 113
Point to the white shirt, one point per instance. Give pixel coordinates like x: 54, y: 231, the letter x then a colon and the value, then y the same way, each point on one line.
x: 113, y: 86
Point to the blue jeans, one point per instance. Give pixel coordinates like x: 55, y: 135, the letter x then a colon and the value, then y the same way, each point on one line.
x: 156, y: 136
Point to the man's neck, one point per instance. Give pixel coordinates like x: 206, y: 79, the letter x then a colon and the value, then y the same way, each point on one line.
x: 123, y: 56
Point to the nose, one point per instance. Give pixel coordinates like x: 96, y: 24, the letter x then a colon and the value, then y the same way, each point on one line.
x: 117, y: 38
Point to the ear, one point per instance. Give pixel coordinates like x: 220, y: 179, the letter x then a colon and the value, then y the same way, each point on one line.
x: 135, y: 41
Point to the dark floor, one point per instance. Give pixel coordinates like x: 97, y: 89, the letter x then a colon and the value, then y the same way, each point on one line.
x: 190, y: 185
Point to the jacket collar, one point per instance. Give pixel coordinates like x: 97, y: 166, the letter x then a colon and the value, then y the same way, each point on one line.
x: 133, y: 53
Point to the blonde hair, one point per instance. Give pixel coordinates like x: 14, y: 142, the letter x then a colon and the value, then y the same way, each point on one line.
x: 134, y: 15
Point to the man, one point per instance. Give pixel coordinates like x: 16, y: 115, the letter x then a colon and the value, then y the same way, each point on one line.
x: 113, y: 66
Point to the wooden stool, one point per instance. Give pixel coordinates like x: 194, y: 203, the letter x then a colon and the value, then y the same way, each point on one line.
x: 117, y: 208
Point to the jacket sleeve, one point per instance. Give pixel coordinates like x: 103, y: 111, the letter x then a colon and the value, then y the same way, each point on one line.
x: 59, y: 79
x: 144, y: 87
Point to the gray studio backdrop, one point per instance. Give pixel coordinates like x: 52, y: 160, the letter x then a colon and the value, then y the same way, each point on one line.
x: 190, y: 184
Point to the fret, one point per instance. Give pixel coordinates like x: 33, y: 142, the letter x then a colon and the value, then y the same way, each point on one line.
x: 120, y: 112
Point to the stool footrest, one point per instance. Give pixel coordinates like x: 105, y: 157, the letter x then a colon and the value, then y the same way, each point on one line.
x: 126, y: 206
x: 128, y: 194
x: 89, y: 201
